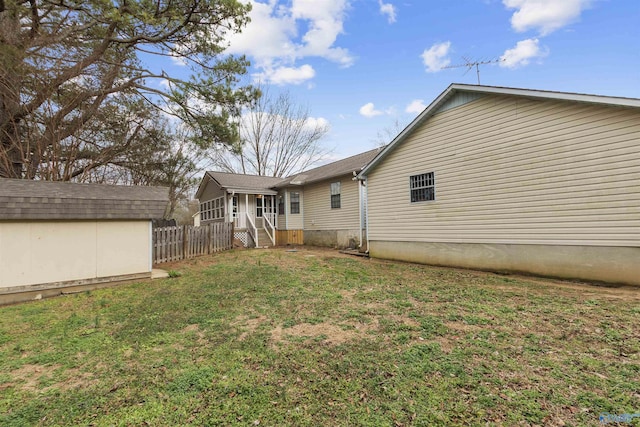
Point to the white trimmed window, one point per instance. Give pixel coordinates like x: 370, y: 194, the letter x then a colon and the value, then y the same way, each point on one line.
x: 295, y: 202
x: 212, y: 209
x: 422, y: 187
x: 335, y: 195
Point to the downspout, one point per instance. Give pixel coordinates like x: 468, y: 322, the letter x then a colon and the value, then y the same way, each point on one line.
x: 361, y: 185
x: 366, y: 213
x: 360, y: 200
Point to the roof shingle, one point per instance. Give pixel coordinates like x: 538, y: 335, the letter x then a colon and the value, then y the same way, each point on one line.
x: 25, y: 199
x: 331, y: 170
x: 236, y: 180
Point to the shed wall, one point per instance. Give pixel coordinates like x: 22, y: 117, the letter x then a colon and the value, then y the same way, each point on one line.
x: 41, y: 252
x: 511, y: 170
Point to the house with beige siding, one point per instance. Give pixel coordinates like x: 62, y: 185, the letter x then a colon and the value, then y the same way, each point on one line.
x: 249, y: 201
x: 323, y: 206
x: 56, y: 236
x: 517, y: 180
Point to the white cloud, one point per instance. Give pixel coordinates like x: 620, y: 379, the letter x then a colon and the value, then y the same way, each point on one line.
x: 269, y: 34
x: 369, y: 110
x: 416, y: 106
x: 325, y: 19
x: 273, y: 41
x: 314, y: 122
x: 544, y: 15
x: 522, y: 53
x: 389, y: 10
x: 435, y: 57
x: 286, y: 75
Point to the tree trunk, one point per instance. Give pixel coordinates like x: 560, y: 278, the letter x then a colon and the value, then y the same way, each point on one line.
x: 11, y: 150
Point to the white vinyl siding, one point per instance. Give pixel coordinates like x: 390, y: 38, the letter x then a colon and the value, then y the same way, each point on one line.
x: 318, y: 214
x: 513, y: 170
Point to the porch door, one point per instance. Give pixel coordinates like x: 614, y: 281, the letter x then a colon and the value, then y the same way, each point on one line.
x: 259, y: 208
x: 270, y: 209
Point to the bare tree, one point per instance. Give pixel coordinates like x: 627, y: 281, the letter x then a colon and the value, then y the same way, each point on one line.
x: 388, y: 134
x: 67, y: 65
x: 277, y: 138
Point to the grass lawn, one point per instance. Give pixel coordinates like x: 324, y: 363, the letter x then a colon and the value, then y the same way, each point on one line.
x: 270, y: 337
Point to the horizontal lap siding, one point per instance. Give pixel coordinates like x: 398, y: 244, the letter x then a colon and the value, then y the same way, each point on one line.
x: 515, y: 171
x: 212, y: 191
x: 318, y: 214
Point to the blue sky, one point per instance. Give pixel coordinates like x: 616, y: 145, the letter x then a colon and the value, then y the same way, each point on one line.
x: 363, y: 65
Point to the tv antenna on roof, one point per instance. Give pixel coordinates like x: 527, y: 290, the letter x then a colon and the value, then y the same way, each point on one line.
x: 469, y: 64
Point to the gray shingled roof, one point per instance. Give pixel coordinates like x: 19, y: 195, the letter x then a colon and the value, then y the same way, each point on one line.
x: 256, y: 183
x: 331, y: 170
x: 25, y: 199
x: 240, y: 181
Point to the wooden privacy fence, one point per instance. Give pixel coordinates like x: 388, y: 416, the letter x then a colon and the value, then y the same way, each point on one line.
x: 187, y: 241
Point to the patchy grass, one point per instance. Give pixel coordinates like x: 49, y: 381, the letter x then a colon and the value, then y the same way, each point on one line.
x: 318, y: 338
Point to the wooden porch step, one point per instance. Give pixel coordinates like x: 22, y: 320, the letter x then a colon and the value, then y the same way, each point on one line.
x: 263, y: 238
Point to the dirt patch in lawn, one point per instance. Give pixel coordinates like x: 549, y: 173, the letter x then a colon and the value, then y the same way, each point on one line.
x: 331, y: 334
x: 196, y: 329
x: 248, y: 325
x: 31, y: 378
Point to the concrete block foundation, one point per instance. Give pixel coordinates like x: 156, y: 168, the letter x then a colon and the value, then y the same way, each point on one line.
x: 332, y: 238
x: 591, y: 263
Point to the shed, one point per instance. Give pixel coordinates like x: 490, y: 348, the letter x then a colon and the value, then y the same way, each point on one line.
x: 56, y: 235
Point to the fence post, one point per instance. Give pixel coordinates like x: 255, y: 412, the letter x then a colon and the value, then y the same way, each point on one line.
x: 210, y: 235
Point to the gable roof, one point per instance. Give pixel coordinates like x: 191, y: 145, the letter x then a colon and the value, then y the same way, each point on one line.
x: 456, y: 88
x: 239, y: 183
x: 331, y: 170
x: 22, y: 199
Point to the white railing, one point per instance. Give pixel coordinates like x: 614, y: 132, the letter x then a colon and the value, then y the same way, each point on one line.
x: 269, y: 228
x: 240, y: 221
x: 251, y: 228
x: 271, y: 216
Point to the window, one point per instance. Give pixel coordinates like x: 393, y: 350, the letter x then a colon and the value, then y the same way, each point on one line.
x: 422, y: 187
x: 335, y: 195
x: 280, y: 205
x: 212, y: 209
x: 294, y: 197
